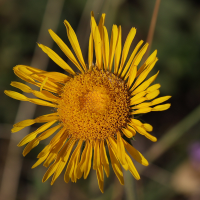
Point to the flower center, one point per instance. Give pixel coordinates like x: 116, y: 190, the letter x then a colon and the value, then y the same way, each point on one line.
x: 94, y: 105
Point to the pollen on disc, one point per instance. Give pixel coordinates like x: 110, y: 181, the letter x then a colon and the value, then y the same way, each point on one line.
x: 94, y: 105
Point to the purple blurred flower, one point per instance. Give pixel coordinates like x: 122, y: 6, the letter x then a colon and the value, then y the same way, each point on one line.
x: 194, y: 152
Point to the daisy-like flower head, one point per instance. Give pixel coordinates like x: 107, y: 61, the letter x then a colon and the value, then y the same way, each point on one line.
x: 95, y: 110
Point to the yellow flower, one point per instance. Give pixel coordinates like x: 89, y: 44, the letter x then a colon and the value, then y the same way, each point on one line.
x: 94, y: 109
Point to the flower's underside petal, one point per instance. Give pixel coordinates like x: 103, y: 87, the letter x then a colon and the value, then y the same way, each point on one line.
x: 75, y: 44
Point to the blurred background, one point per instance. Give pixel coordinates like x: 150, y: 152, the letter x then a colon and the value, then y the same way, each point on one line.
x: 174, y: 172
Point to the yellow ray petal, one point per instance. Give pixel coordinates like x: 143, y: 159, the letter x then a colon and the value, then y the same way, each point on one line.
x: 40, y: 160
x: 57, y: 59
x: 152, y: 95
x: 132, y: 75
x: 104, y: 158
x: 126, y: 48
x: 46, y: 118
x: 45, y: 95
x: 99, y: 173
x: 145, y: 84
x: 45, y: 151
x: 137, y: 96
x: 21, y: 86
x: 144, y: 74
x: 148, y: 127
x: 50, y: 171
x: 16, y: 95
x: 121, y: 150
x: 56, y: 76
x: 131, y: 129
x: 90, y: 51
x: 105, y: 48
x: 26, y: 73
x: 65, y: 152
x: 116, y: 165
x: 142, y: 105
x: 51, y: 157
x: 96, y: 159
x: 118, y: 50
x: 135, y: 154
x: 101, y: 25
x: 160, y: 100
x: 30, y: 146
x: 153, y: 88
x: 142, y: 131
x: 127, y: 133
x: 98, y: 51
x: 88, y: 160
x: 136, y: 122
x: 57, y: 137
x: 142, y: 110
x: 58, y: 171
x: 71, y: 165
x: 138, y: 101
x: 24, y: 123
x: 125, y: 70
x: 150, y: 59
x: 49, y: 132
x: 132, y: 168
x: 41, y: 102
x: 75, y: 44
x: 83, y: 156
x: 33, y: 135
x: 65, y: 49
x: 114, y: 147
x: 161, y: 107
x: 113, y: 42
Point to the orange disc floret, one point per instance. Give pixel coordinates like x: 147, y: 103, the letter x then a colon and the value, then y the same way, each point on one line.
x: 94, y: 105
